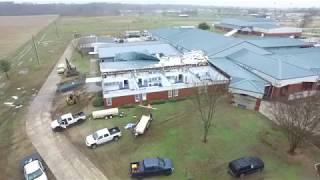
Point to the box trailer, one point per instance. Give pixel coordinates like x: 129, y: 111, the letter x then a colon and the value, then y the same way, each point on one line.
x: 106, y: 113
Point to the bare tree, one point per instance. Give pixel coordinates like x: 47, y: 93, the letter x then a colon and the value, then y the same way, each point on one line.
x: 206, y: 101
x: 297, y: 118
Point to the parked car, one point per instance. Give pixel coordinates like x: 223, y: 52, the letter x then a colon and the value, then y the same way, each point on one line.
x: 103, y: 136
x: 66, y: 120
x: 32, y: 168
x: 245, y: 165
x: 151, y: 167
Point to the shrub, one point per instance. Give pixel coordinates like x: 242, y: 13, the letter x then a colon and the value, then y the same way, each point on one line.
x: 204, y: 26
x: 98, y: 100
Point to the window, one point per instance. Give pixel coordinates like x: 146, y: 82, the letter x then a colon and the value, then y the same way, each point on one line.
x: 69, y: 119
x: 170, y: 94
x: 100, y: 137
x: 137, y: 97
x: 109, y: 101
x: 176, y: 92
x: 106, y: 135
x: 144, y: 96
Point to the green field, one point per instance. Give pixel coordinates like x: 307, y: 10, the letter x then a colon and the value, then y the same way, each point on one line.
x: 176, y: 133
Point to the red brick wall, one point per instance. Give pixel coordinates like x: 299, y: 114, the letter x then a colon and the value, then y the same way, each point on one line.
x: 186, y: 92
x: 157, y: 96
x: 258, y: 102
x: 121, y: 100
x: 163, y: 95
x: 287, y: 90
x: 293, y: 88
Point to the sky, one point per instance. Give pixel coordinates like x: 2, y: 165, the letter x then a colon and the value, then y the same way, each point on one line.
x: 234, y: 3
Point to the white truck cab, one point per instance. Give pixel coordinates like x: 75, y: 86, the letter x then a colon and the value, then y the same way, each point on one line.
x: 65, y: 120
x: 103, y: 136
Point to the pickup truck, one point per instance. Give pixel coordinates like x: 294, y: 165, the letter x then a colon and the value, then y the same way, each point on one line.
x: 151, y: 167
x: 103, y: 136
x: 66, y: 120
x: 33, y: 168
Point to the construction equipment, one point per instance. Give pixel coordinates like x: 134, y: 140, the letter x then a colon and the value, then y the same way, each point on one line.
x: 71, y: 70
x: 73, y: 98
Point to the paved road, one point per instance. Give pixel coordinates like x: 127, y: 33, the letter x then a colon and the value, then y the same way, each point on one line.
x: 64, y: 160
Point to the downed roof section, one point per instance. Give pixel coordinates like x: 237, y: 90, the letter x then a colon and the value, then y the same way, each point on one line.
x: 132, y: 56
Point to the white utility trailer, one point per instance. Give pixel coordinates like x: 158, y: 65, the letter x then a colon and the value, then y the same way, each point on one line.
x: 142, y: 125
x: 106, y: 113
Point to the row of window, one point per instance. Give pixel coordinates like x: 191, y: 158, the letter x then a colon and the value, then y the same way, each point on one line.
x: 143, y: 97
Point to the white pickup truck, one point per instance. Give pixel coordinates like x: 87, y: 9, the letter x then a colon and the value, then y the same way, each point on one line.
x: 66, y: 120
x: 103, y: 136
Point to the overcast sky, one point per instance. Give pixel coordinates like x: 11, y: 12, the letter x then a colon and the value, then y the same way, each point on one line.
x: 239, y: 3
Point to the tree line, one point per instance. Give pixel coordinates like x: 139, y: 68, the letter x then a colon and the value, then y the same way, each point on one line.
x: 92, y: 9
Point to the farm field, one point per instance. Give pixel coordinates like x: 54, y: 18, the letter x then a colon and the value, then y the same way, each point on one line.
x: 176, y: 133
x: 17, y: 30
x: 27, y: 76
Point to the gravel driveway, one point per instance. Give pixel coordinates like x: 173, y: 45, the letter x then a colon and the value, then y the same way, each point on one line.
x: 64, y: 160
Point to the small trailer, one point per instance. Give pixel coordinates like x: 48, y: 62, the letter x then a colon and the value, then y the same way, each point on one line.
x: 142, y: 125
x: 106, y: 113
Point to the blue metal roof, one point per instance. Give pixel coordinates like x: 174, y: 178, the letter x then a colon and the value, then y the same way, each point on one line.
x: 240, y: 78
x: 238, y: 47
x: 308, y: 58
x: 273, y: 67
x: 276, y: 42
x: 195, y: 39
x: 149, y: 47
x: 249, y: 22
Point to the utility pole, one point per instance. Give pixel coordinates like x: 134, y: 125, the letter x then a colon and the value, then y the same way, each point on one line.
x: 56, y: 28
x: 35, y: 50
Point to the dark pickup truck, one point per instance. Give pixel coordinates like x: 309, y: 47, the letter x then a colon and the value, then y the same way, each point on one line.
x: 151, y: 167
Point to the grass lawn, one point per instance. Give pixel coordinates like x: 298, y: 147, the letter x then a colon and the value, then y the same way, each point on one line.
x: 82, y: 63
x: 176, y: 133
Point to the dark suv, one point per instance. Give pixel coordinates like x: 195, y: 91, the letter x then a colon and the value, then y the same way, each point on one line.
x: 245, y: 165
